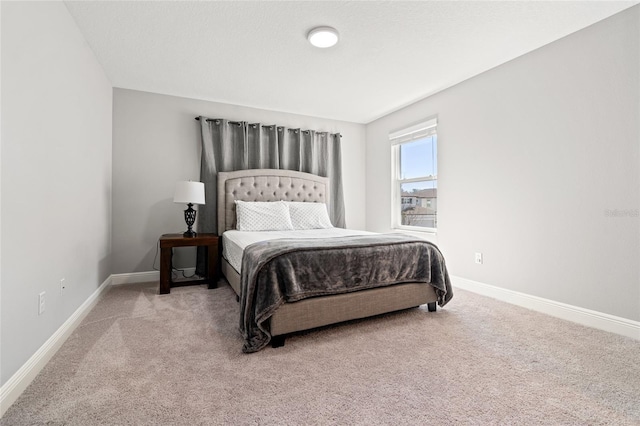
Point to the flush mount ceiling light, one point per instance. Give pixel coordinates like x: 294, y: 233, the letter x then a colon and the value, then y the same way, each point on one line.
x: 323, y: 37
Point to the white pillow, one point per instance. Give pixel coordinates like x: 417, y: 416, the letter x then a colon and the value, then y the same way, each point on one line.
x: 309, y: 215
x: 262, y: 216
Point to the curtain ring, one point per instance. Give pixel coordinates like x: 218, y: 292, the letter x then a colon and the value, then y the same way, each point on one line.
x: 217, y: 121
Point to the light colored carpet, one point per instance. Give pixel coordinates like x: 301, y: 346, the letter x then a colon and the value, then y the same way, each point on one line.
x: 141, y: 358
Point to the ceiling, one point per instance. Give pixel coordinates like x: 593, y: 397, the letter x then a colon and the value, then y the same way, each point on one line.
x: 390, y: 54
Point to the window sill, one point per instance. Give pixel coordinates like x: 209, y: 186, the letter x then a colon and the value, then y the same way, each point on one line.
x: 417, y: 230
x: 431, y: 236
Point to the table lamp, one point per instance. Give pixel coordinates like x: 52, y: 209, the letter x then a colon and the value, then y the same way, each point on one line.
x: 189, y: 193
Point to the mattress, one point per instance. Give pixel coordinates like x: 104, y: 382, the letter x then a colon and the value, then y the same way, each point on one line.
x: 234, y: 242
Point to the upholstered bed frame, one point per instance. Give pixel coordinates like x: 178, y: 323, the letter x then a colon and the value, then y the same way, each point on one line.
x: 274, y: 185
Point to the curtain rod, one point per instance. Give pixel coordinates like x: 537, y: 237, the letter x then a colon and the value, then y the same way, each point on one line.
x: 239, y: 122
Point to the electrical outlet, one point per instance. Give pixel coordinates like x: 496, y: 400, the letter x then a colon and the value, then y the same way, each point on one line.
x: 63, y: 286
x: 41, y: 303
x: 479, y: 258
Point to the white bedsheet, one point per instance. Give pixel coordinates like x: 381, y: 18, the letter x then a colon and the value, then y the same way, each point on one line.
x: 234, y: 242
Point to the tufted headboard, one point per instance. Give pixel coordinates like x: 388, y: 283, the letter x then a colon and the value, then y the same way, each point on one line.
x: 266, y: 185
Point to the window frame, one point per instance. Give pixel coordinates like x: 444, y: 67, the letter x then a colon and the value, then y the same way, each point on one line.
x: 409, y: 134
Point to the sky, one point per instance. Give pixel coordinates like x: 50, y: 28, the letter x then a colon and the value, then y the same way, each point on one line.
x: 412, y: 161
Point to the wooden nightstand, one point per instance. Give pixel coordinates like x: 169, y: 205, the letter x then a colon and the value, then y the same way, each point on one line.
x: 169, y: 241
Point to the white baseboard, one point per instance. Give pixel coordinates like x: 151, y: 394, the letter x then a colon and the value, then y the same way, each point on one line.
x: 595, y: 319
x: 144, y: 277
x: 135, y: 277
x: 14, y: 387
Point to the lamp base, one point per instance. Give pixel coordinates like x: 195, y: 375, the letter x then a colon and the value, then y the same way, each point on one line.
x: 190, y: 218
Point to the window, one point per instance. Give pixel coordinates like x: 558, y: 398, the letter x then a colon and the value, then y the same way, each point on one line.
x: 415, y: 177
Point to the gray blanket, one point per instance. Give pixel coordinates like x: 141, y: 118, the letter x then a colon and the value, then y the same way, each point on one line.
x: 288, y: 270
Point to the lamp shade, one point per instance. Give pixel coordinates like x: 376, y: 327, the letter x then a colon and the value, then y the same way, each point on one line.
x: 189, y: 193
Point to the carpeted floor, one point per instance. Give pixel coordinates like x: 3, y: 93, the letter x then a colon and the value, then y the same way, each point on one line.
x: 144, y: 359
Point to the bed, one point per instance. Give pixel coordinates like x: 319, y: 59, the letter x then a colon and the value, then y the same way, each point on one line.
x: 293, y: 315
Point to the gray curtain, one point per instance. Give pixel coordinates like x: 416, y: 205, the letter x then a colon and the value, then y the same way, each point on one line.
x: 238, y: 145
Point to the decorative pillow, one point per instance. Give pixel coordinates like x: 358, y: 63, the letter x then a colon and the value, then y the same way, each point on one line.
x: 262, y: 216
x: 309, y: 215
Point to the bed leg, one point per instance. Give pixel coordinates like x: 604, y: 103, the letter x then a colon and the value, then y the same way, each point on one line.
x: 277, y: 341
x: 431, y: 306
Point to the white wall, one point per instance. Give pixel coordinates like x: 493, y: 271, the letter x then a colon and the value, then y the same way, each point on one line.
x: 531, y: 156
x: 156, y: 142
x: 56, y: 175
